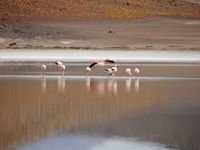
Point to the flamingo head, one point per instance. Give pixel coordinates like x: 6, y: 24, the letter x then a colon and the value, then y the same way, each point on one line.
x: 88, y: 69
x: 43, y: 67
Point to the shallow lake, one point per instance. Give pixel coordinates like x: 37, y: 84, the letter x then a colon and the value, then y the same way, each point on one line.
x: 159, y: 109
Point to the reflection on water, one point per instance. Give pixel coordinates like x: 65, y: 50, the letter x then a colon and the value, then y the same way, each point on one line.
x: 136, y: 85
x: 43, y: 85
x: 107, y: 113
x: 79, y: 142
x: 61, y: 84
x: 110, y: 86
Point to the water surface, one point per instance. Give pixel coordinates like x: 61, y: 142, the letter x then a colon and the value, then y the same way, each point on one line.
x: 153, y: 111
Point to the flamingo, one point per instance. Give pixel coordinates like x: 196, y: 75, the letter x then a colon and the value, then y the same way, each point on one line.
x: 59, y: 63
x: 112, y: 70
x: 62, y: 69
x: 61, y: 66
x: 128, y: 70
x: 107, y: 60
x: 89, y: 68
x: 43, y: 69
x: 136, y: 70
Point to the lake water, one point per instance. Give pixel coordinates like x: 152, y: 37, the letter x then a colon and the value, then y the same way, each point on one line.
x: 157, y: 110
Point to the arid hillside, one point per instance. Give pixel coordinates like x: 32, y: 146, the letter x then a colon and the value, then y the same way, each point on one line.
x: 94, y: 9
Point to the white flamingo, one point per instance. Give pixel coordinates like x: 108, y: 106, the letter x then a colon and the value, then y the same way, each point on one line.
x: 129, y: 72
x: 61, y: 67
x: 136, y: 70
x: 43, y: 69
x: 59, y: 63
x: 112, y: 70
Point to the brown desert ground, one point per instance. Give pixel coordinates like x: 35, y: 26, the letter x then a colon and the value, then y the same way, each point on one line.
x: 158, y: 33
x: 96, y: 9
x: 105, y: 24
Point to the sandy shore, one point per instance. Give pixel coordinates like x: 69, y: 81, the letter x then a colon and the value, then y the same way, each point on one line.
x: 167, y: 33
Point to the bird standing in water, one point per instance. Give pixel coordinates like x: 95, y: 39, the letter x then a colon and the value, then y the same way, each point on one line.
x: 43, y: 69
x: 61, y: 67
x: 136, y: 70
x: 112, y: 70
x: 102, y: 63
x: 129, y: 72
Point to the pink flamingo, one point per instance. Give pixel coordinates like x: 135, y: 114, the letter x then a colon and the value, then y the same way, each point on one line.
x: 43, y: 69
x: 61, y: 66
x: 136, y: 71
x: 62, y: 69
x: 107, y: 60
x: 89, y: 68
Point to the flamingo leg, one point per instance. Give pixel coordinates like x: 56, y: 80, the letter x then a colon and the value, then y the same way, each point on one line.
x: 63, y: 73
x: 42, y: 74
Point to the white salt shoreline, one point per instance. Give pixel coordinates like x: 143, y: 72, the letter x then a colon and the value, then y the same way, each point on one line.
x: 88, y: 55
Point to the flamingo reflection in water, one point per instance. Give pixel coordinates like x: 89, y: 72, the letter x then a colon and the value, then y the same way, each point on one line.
x: 43, y: 85
x: 110, y: 87
x: 94, y: 86
x: 128, y: 84
x: 61, y: 84
x: 101, y: 87
x: 137, y: 85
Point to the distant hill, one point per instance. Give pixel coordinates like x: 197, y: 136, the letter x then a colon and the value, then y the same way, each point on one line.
x: 94, y: 9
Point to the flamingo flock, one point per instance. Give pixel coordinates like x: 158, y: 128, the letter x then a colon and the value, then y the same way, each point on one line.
x: 110, y: 71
